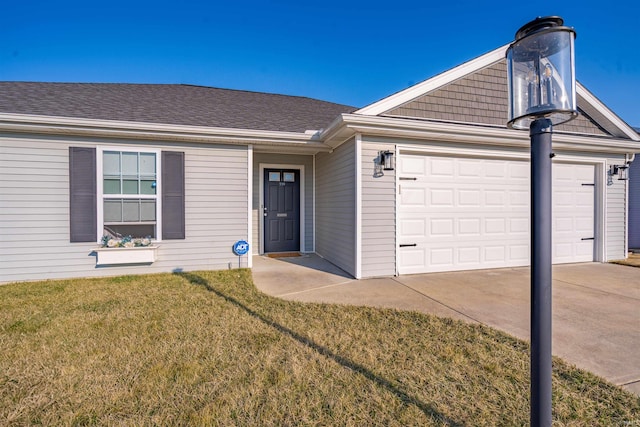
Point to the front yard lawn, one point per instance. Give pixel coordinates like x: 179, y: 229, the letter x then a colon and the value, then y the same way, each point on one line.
x: 207, y: 348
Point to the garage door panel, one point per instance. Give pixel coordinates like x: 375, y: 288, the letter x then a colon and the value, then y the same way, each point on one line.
x: 413, y: 165
x: 469, y: 255
x: 413, y: 228
x: 441, y: 197
x: 519, y: 225
x: 475, y: 213
x: 413, y: 197
x: 441, y: 167
x: 469, y: 227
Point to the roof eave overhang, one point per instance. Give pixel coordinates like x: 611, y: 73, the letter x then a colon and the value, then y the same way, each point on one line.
x: 272, y: 141
x: 591, y: 105
x: 430, y: 131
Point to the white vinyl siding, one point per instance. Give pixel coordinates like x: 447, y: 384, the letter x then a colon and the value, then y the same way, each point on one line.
x: 634, y: 204
x: 283, y: 159
x: 336, y: 206
x: 616, y: 215
x: 34, y: 211
x: 378, y: 214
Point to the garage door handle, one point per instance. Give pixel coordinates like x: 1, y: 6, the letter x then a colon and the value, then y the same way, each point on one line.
x: 406, y: 178
x: 588, y: 238
x: 408, y: 244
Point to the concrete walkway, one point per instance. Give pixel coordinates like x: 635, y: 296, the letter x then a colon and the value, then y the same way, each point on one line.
x: 596, y: 307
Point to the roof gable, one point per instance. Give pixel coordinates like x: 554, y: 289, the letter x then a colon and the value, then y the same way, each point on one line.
x: 169, y: 104
x: 476, y: 92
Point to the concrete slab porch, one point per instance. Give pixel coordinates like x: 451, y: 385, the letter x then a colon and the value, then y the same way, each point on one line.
x: 596, y: 307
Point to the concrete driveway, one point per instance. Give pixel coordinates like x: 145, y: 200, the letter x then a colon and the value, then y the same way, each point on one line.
x: 596, y: 307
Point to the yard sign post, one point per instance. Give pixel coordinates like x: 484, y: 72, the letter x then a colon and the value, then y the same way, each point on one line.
x: 542, y: 92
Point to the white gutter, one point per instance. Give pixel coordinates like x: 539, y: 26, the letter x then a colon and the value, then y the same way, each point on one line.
x: 24, y: 123
x: 425, y: 130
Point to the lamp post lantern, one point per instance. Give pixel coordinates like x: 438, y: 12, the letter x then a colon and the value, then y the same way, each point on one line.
x: 542, y: 93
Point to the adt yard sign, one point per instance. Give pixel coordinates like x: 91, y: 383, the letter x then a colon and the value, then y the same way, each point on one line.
x: 241, y: 247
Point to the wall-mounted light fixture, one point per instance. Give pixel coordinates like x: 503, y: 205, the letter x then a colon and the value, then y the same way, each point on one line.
x: 620, y: 170
x: 386, y: 160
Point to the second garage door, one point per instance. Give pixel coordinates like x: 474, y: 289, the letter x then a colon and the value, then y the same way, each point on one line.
x: 463, y: 213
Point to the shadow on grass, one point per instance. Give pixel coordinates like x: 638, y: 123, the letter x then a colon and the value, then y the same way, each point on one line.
x: 324, y: 351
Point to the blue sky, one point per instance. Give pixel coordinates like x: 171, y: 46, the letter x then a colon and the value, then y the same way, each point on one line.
x: 353, y: 53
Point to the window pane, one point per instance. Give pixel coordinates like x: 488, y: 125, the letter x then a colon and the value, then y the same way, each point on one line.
x: 130, y: 164
x: 147, y: 210
x: 148, y: 164
x: 112, y: 211
x: 274, y: 176
x: 289, y: 177
x: 148, y: 186
x: 111, y: 163
x: 111, y: 186
x: 131, y: 210
x: 129, y: 186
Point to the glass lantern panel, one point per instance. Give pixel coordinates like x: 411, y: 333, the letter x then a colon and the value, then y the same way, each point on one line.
x: 541, y: 78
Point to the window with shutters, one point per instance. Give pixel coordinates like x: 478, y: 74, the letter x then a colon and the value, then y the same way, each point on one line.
x: 128, y: 193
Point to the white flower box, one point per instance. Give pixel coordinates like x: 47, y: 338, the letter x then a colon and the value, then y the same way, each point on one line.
x: 135, y: 255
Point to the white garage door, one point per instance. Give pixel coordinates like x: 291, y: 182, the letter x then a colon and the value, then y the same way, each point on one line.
x: 459, y: 213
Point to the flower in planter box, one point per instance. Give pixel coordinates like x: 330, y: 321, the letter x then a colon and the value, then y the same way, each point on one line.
x: 125, y: 242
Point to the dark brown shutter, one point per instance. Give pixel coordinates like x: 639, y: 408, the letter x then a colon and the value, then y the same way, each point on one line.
x: 173, y: 218
x: 82, y: 194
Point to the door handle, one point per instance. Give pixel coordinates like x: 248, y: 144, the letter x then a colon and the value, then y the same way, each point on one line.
x: 264, y: 210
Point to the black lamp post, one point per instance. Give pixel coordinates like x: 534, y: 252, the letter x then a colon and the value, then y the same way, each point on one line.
x: 542, y: 93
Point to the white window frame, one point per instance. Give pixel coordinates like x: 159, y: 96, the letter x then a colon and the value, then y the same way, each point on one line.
x: 100, y: 185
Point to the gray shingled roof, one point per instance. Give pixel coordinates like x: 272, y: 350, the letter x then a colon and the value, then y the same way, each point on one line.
x: 170, y: 103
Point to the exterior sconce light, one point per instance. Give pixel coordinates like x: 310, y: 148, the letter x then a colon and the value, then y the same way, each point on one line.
x: 542, y: 93
x: 386, y: 160
x: 620, y: 170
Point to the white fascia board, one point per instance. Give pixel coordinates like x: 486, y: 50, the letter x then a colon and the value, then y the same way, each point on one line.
x: 477, y: 135
x: 157, y: 131
x: 594, y: 107
x: 433, y: 83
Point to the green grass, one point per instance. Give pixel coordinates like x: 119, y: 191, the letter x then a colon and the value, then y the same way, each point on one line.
x: 208, y: 349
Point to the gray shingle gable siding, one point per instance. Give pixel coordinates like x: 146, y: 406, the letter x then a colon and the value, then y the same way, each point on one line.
x: 480, y: 97
x: 171, y: 104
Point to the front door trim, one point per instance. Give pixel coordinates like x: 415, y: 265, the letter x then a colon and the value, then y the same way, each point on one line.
x: 261, y: 168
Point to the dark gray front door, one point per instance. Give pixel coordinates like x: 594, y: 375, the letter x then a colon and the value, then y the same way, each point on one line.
x: 281, y: 210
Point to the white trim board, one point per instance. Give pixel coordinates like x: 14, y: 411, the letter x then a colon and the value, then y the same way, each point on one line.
x: 249, y: 204
x: 358, y: 236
